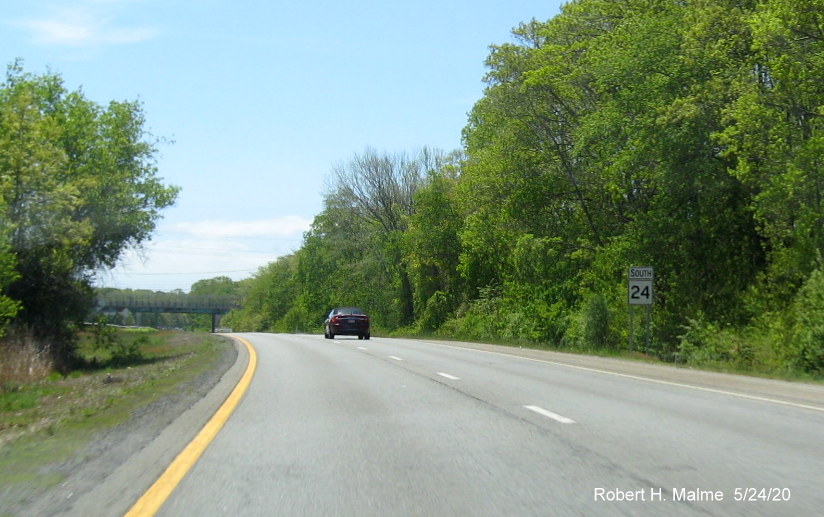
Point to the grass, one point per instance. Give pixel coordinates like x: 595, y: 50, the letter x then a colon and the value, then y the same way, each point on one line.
x: 48, y: 421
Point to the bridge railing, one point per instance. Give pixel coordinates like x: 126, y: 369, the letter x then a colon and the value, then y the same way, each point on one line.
x: 171, y: 302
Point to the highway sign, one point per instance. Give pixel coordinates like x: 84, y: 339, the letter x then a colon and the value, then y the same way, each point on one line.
x: 640, y: 285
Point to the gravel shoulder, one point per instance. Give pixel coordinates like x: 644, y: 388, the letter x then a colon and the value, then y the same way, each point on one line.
x: 118, y: 465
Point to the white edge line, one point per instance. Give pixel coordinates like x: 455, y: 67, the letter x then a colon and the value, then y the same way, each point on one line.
x: 395, y: 358
x: 647, y: 379
x: 450, y: 377
x: 550, y: 414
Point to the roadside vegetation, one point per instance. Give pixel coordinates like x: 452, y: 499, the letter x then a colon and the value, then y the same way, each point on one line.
x: 119, y: 372
x: 687, y: 136
x: 78, y: 186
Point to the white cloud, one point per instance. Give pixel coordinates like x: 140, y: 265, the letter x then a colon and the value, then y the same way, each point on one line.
x: 277, y: 228
x: 184, y: 252
x: 84, y: 24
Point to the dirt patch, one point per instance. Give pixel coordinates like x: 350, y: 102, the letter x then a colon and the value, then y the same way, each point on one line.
x: 111, y: 416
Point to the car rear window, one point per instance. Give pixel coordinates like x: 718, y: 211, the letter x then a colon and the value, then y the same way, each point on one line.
x: 349, y: 310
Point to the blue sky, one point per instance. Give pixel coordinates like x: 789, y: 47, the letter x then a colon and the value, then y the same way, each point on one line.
x: 261, y: 99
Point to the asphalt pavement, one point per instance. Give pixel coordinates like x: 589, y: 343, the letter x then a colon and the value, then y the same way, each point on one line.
x: 405, y: 427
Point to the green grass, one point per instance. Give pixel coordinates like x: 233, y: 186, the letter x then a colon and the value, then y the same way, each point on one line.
x: 49, y: 421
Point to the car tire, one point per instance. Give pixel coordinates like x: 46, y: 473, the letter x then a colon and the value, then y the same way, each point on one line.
x: 366, y: 336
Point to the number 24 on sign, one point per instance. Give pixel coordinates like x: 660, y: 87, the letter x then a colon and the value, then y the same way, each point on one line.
x: 640, y: 285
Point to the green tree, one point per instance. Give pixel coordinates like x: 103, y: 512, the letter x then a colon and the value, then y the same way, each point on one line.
x: 809, y: 334
x: 378, y: 189
x: 595, y: 138
x: 8, y: 275
x: 433, y: 250
x: 664, y: 76
x: 774, y: 134
x: 79, y: 185
x: 218, y: 286
x: 267, y: 298
x: 221, y: 286
x: 344, y: 261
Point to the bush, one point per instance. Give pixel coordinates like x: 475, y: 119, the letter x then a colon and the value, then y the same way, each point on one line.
x: 297, y: 319
x: 120, y: 351
x: 493, y: 317
x: 809, y: 332
x: 706, y: 344
x: 436, y: 312
x: 596, y: 323
x: 481, y: 319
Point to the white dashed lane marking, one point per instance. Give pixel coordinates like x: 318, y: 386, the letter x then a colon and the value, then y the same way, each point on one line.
x: 550, y: 414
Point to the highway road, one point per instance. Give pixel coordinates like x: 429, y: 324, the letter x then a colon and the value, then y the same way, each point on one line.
x: 403, y: 427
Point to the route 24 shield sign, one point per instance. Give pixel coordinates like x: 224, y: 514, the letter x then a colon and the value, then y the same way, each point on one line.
x: 640, y: 279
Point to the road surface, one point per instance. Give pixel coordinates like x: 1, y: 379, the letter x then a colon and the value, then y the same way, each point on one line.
x: 400, y: 427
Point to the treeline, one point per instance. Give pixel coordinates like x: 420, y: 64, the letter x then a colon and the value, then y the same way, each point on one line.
x: 78, y: 185
x: 684, y: 135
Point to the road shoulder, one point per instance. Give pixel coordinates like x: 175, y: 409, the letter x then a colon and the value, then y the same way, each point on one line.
x: 113, y: 471
x: 800, y: 394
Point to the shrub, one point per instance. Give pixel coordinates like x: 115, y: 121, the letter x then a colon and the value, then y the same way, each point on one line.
x: 706, y: 344
x: 700, y: 345
x: 297, y: 319
x: 596, y: 323
x: 121, y: 351
x: 436, y: 312
x: 809, y: 333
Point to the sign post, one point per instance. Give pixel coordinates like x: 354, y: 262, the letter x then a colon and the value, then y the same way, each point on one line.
x: 639, y: 292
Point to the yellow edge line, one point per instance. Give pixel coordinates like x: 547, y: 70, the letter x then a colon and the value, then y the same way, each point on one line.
x: 151, y: 501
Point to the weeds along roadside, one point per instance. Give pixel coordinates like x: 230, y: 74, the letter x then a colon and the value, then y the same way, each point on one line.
x: 46, y: 421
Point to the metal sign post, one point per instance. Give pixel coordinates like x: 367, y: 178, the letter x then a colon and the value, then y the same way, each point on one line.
x: 640, y: 292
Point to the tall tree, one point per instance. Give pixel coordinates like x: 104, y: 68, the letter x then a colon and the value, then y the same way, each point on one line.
x: 379, y: 189
x: 774, y: 133
x: 8, y: 275
x: 78, y: 184
x: 433, y: 250
x: 594, y: 141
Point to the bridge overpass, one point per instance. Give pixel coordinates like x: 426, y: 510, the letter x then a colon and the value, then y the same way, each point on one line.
x: 168, y: 303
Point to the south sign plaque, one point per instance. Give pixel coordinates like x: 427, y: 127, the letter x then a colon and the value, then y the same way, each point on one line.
x: 640, y: 280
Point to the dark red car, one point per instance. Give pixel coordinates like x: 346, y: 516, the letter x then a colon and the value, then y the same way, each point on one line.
x: 346, y: 321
